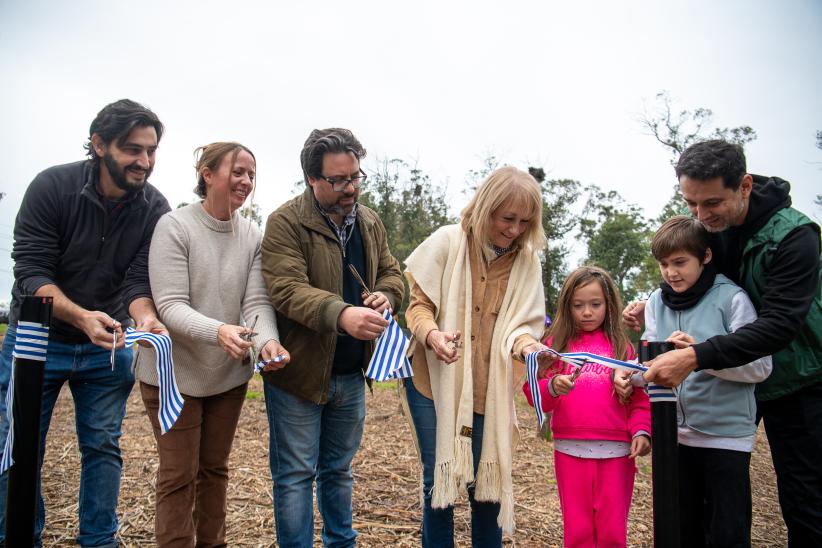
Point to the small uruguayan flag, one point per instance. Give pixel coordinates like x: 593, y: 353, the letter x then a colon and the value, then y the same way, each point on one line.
x: 389, y: 360
x: 30, y: 343
x: 171, y: 402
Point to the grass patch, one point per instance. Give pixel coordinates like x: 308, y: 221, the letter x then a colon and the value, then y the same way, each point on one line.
x: 387, y: 385
x: 254, y: 395
x: 3, y: 328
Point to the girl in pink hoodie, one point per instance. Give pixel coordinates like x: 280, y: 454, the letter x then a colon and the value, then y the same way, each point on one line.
x: 596, y: 436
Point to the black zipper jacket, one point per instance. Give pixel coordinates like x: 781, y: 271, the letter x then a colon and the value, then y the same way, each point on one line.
x: 792, y: 281
x: 95, y: 252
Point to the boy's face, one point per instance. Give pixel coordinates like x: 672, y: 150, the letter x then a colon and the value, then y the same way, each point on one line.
x: 681, y: 269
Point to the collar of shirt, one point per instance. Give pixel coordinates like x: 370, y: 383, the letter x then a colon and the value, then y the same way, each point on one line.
x: 343, y: 232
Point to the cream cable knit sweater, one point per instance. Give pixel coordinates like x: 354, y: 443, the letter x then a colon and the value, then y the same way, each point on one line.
x: 205, y: 273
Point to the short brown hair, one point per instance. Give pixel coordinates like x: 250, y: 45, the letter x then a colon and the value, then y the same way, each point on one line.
x: 680, y: 233
x: 211, y: 156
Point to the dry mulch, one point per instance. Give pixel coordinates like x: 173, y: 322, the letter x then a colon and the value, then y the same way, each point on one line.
x: 386, y: 491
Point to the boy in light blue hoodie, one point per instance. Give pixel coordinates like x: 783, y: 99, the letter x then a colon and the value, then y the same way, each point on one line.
x: 716, y: 409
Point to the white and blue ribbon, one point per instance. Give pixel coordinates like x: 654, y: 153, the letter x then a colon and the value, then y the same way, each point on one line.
x: 171, y: 402
x: 389, y: 360
x: 659, y: 393
x: 656, y: 392
x: 258, y: 367
x: 30, y: 343
x: 531, y: 369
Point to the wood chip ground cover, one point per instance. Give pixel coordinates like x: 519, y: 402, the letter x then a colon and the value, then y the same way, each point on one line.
x: 386, y: 491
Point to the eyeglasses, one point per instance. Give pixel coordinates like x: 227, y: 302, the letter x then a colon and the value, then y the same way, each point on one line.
x: 339, y: 183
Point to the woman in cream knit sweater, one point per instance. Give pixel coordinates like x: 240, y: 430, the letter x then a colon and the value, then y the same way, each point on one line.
x: 204, y: 267
x: 477, y: 301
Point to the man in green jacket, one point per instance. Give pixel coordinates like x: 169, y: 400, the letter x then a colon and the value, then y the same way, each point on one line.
x: 773, y: 252
x: 328, y: 319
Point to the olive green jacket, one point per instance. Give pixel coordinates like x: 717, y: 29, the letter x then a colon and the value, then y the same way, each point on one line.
x: 302, y: 269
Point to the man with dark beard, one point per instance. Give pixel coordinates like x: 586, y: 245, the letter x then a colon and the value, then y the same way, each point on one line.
x: 316, y: 405
x: 82, y: 237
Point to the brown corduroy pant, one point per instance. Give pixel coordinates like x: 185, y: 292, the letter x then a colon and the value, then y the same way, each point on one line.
x: 193, y: 474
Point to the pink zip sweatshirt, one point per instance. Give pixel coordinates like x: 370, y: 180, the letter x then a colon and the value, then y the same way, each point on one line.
x: 591, y: 411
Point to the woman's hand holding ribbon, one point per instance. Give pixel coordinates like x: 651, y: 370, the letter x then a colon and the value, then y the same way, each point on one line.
x: 274, y: 356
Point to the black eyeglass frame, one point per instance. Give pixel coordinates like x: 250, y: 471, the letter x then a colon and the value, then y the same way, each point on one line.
x: 356, y: 182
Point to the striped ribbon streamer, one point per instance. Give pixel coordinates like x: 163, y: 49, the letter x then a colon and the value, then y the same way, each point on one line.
x: 30, y: 343
x: 656, y: 392
x: 171, y: 402
x: 258, y: 367
x: 389, y: 360
x: 531, y: 368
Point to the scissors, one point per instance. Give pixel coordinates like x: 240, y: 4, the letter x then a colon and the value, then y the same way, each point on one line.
x: 113, y: 342
x: 249, y: 330
x: 359, y: 279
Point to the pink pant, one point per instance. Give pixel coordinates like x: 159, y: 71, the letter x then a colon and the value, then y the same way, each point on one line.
x: 595, y: 496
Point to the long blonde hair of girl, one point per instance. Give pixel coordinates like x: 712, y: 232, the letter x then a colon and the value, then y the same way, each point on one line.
x: 564, y: 330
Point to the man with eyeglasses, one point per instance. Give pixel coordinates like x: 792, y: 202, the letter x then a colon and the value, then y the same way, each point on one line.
x: 330, y: 276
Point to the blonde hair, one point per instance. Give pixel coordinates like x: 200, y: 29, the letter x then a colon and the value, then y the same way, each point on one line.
x: 506, y: 185
x: 564, y: 329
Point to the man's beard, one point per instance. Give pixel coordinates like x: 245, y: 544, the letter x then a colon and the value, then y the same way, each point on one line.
x: 118, y: 175
x: 337, y: 208
x: 726, y: 223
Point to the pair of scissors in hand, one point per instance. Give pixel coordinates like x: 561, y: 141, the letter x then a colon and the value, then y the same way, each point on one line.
x: 249, y: 330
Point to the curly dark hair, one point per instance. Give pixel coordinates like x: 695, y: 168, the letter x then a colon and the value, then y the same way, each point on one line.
x: 115, y: 122
x: 711, y: 159
x: 322, y: 141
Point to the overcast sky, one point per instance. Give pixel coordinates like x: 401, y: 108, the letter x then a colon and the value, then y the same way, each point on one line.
x: 442, y: 84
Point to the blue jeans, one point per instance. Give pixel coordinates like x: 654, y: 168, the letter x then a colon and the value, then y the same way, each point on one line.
x: 100, y: 396
x: 310, y: 441
x: 438, y: 524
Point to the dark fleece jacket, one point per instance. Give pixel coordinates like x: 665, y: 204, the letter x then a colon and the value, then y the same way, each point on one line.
x: 792, y: 281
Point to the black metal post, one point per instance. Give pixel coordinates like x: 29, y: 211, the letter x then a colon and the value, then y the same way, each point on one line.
x: 21, y: 501
x: 664, y: 458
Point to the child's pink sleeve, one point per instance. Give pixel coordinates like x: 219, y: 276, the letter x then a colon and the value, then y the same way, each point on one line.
x: 549, y: 403
x: 639, y: 412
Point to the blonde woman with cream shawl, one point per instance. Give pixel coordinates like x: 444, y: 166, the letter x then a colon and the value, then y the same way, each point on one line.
x: 477, y: 303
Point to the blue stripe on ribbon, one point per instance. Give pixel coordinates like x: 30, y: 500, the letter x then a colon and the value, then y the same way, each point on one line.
x: 171, y: 402
x: 30, y: 343
x: 658, y: 393
x: 389, y: 360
